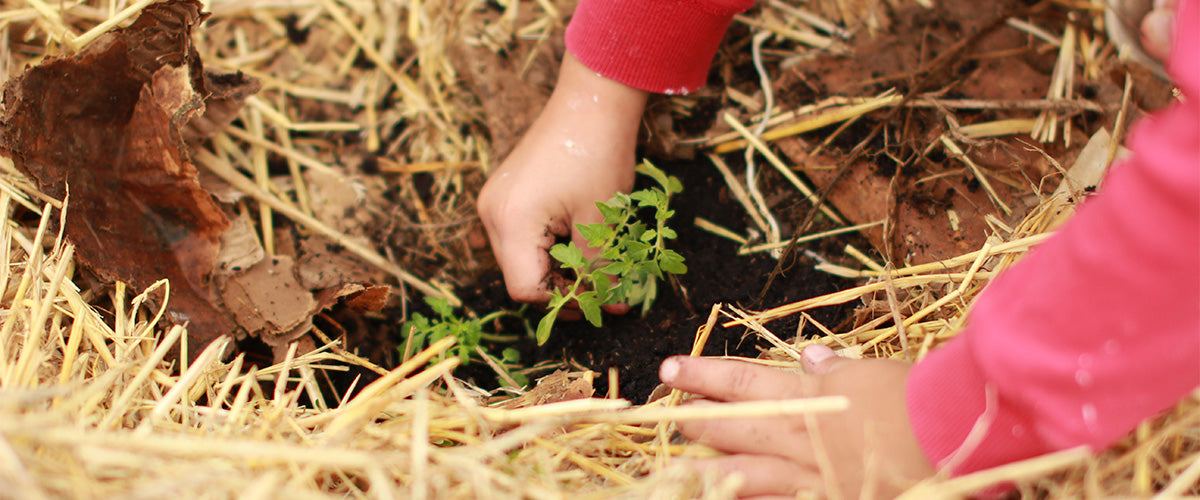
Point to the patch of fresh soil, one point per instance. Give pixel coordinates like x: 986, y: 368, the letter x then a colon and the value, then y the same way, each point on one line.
x: 634, y: 344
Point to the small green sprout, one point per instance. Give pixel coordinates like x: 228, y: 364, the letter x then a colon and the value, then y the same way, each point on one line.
x: 423, y: 331
x: 632, y: 259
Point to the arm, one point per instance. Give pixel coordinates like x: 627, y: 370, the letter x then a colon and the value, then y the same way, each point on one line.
x: 1098, y: 328
x: 580, y: 150
x: 663, y: 46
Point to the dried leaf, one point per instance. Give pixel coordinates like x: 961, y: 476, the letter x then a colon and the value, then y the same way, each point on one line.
x: 555, y: 387
x: 322, y: 264
x: 267, y: 300
x: 240, y: 248
x: 106, y: 125
x: 358, y: 296
x: 227, y: 93
x: 372, y: 299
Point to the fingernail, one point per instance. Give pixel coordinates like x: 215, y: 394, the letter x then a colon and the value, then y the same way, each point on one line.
x: 816, y: 353
x: 668, y: 370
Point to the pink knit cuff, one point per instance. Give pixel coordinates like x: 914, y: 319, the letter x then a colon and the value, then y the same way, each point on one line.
x: 948, y: 400
x: 663, y: 46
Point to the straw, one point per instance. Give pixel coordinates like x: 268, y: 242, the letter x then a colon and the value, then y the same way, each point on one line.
x: 90, y: 407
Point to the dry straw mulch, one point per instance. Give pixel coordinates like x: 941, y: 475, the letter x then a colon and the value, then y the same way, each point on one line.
x: 89, y: 409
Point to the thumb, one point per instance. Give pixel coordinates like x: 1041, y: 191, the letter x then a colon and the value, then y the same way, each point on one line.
x: 820, y: 360
x: 521, y: 249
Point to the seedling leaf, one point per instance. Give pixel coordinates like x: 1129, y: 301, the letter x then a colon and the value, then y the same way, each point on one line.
x: 631, y: 256
x: 569, y: 255
x: 672, y: 262
x: 611, y: 213
x: 543, y: 328
x: 589, y: 303
x: 595, y: 234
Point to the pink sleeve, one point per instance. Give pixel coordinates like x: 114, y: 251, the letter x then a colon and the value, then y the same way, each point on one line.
x: 663, y: 46
x: 1097, y: 329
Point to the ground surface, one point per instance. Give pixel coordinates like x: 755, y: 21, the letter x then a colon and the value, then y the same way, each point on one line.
x: 892, y: 167
x: 635, y: 345
x: 957, y: 65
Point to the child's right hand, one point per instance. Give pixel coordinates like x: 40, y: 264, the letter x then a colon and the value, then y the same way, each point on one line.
x: 579, y: 151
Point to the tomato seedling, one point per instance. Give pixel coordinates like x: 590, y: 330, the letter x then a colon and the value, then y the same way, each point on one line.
x: 633, y: 254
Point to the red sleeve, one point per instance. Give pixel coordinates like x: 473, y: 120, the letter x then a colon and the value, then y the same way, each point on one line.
x: 1097, y: 329
x: 663, y: 46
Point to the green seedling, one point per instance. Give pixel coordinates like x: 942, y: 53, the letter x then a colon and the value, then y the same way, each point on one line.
x: 423, y: 331
x: 633, y: 254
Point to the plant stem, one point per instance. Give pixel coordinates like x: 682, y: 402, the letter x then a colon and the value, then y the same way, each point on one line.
x: 496, y: 337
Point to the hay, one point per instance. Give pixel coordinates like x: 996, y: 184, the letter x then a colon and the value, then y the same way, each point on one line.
x: 88, y: 408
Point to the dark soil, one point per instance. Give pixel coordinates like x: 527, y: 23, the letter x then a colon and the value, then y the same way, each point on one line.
x: 634, y: 344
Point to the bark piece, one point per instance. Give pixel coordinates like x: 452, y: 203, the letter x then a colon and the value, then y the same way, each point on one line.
x: 268, y: 301
x: 105, y: 125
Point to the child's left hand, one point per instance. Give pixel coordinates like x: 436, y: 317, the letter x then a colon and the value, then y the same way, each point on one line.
x: 868, y: 448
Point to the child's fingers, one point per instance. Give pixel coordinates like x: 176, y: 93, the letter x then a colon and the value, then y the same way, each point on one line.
x: 821, y: 360
x: 759, y: 436
x: 725, y: 380
x: 521, y: 248
x: 1156, y: 30
x: 621, y: 308
x: 766, y: 475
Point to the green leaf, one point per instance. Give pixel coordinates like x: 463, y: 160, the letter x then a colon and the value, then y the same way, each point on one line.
x: 635, y: 294
x: 667, y: 233
x: 673, y: 185
x: 645, y: 197
x: 595, y: 234
x: 636, y: 230
x: 472, y: 333
x: 418, y: 341
x: 420, y: 322
x: 590, y: 305
x: 626, y: 290
x: 570, y: 255
x: 615, y: 268
x: 601, y: 284
x: 436, y: 334
x: 440, y: 307
x: 648, y: 169
x: 520, y: 379
x: 633, y: 246
x: 611, y: 213
x: 661, y: 199
x: 557, y: 299
x: 650, y: 292
x: 671, y: 262
x: 648, y: 268
x: 544, y: 326
x: 510, y: 355
x: 648, y: 236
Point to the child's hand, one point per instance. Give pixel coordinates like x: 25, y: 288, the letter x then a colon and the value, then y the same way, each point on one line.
x: 870, y: 447
x: 580, y: 150
x: 1156, y: 29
